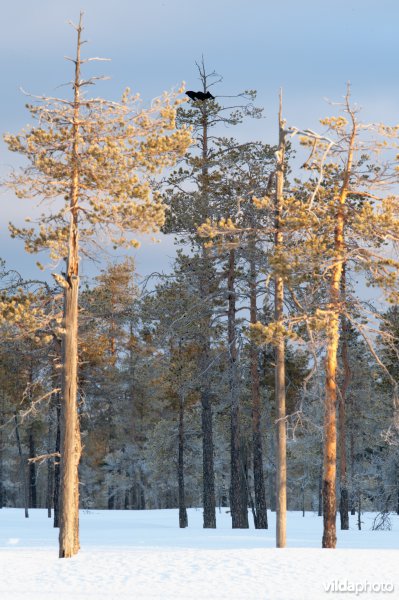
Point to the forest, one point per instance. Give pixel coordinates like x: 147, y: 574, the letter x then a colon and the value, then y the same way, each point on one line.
x: 260, y: 372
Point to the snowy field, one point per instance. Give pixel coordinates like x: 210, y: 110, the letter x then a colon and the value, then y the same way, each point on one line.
x: 135, y: 555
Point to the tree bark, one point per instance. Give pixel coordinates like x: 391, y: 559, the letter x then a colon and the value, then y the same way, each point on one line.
x: 352, y: 463
x: 111, y: 498
x: 70, y: 432
x: 70, y: 429
x: 330, y: 431
x: 56, y: 499
x: 209, y: 498
x: 208, y: 474
x: 320, y: 508
x: 260, y: 507
x: 22, y: 467
x: 208, y: 471
x: 281, y: 473
x: 50, y: 491
x: 183, y: 519
x: 238, y: 501
x: 344, y: 498
x: 50, y: 464
x: 272, y: 480
x: 32, y: 471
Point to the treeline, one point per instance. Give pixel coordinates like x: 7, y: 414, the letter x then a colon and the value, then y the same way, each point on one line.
x: 247, y: 374
x: 141, y: 413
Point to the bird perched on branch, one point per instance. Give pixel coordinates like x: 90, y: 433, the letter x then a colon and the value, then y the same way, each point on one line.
x: 199, y: 95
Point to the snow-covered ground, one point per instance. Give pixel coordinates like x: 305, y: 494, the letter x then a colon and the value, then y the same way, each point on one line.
x: 139, y: 555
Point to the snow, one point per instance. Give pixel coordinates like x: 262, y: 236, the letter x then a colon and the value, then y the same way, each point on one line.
x: 140, y: 555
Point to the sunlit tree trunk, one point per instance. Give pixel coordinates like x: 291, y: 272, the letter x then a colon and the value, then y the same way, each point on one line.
x: 70, y: 429
x: 281, y: 458
x: 329, y: 539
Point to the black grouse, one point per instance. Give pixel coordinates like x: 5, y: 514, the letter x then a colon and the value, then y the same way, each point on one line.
x: 199, y: 95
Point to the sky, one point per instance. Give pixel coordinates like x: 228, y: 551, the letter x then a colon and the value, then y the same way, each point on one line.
x: 311, y: 49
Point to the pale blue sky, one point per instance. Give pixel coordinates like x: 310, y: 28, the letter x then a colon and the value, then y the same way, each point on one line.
x: 311, y: 48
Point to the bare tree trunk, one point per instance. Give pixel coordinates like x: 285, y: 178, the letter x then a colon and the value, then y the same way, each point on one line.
x: 50, y: 491
x: 70, y: 432
x: 111, y: 498
x: 238, y: 499
x: 320, y: 510
x: 272, y: 474
x: 329, y: 496
x: 352, y: 457
x: 330, y: 431
x: 32, y: 471
x: 183, y: 519
x: 22, y: 467
x: 245, y: 491
x: 281, y: 453
x: 209, y: 499
x: 70, y: 429
x: 56, y: 500
x: 112, y: 490
x: 208, y: 474
x: 141, y: 494
x: 344, y: 499
x: 260, y: 507
x: 50, y: 463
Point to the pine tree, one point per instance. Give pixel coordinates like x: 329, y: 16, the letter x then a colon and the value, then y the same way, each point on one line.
x: 194, y: 197
x: 98, y: 155
x: 345, y: 226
